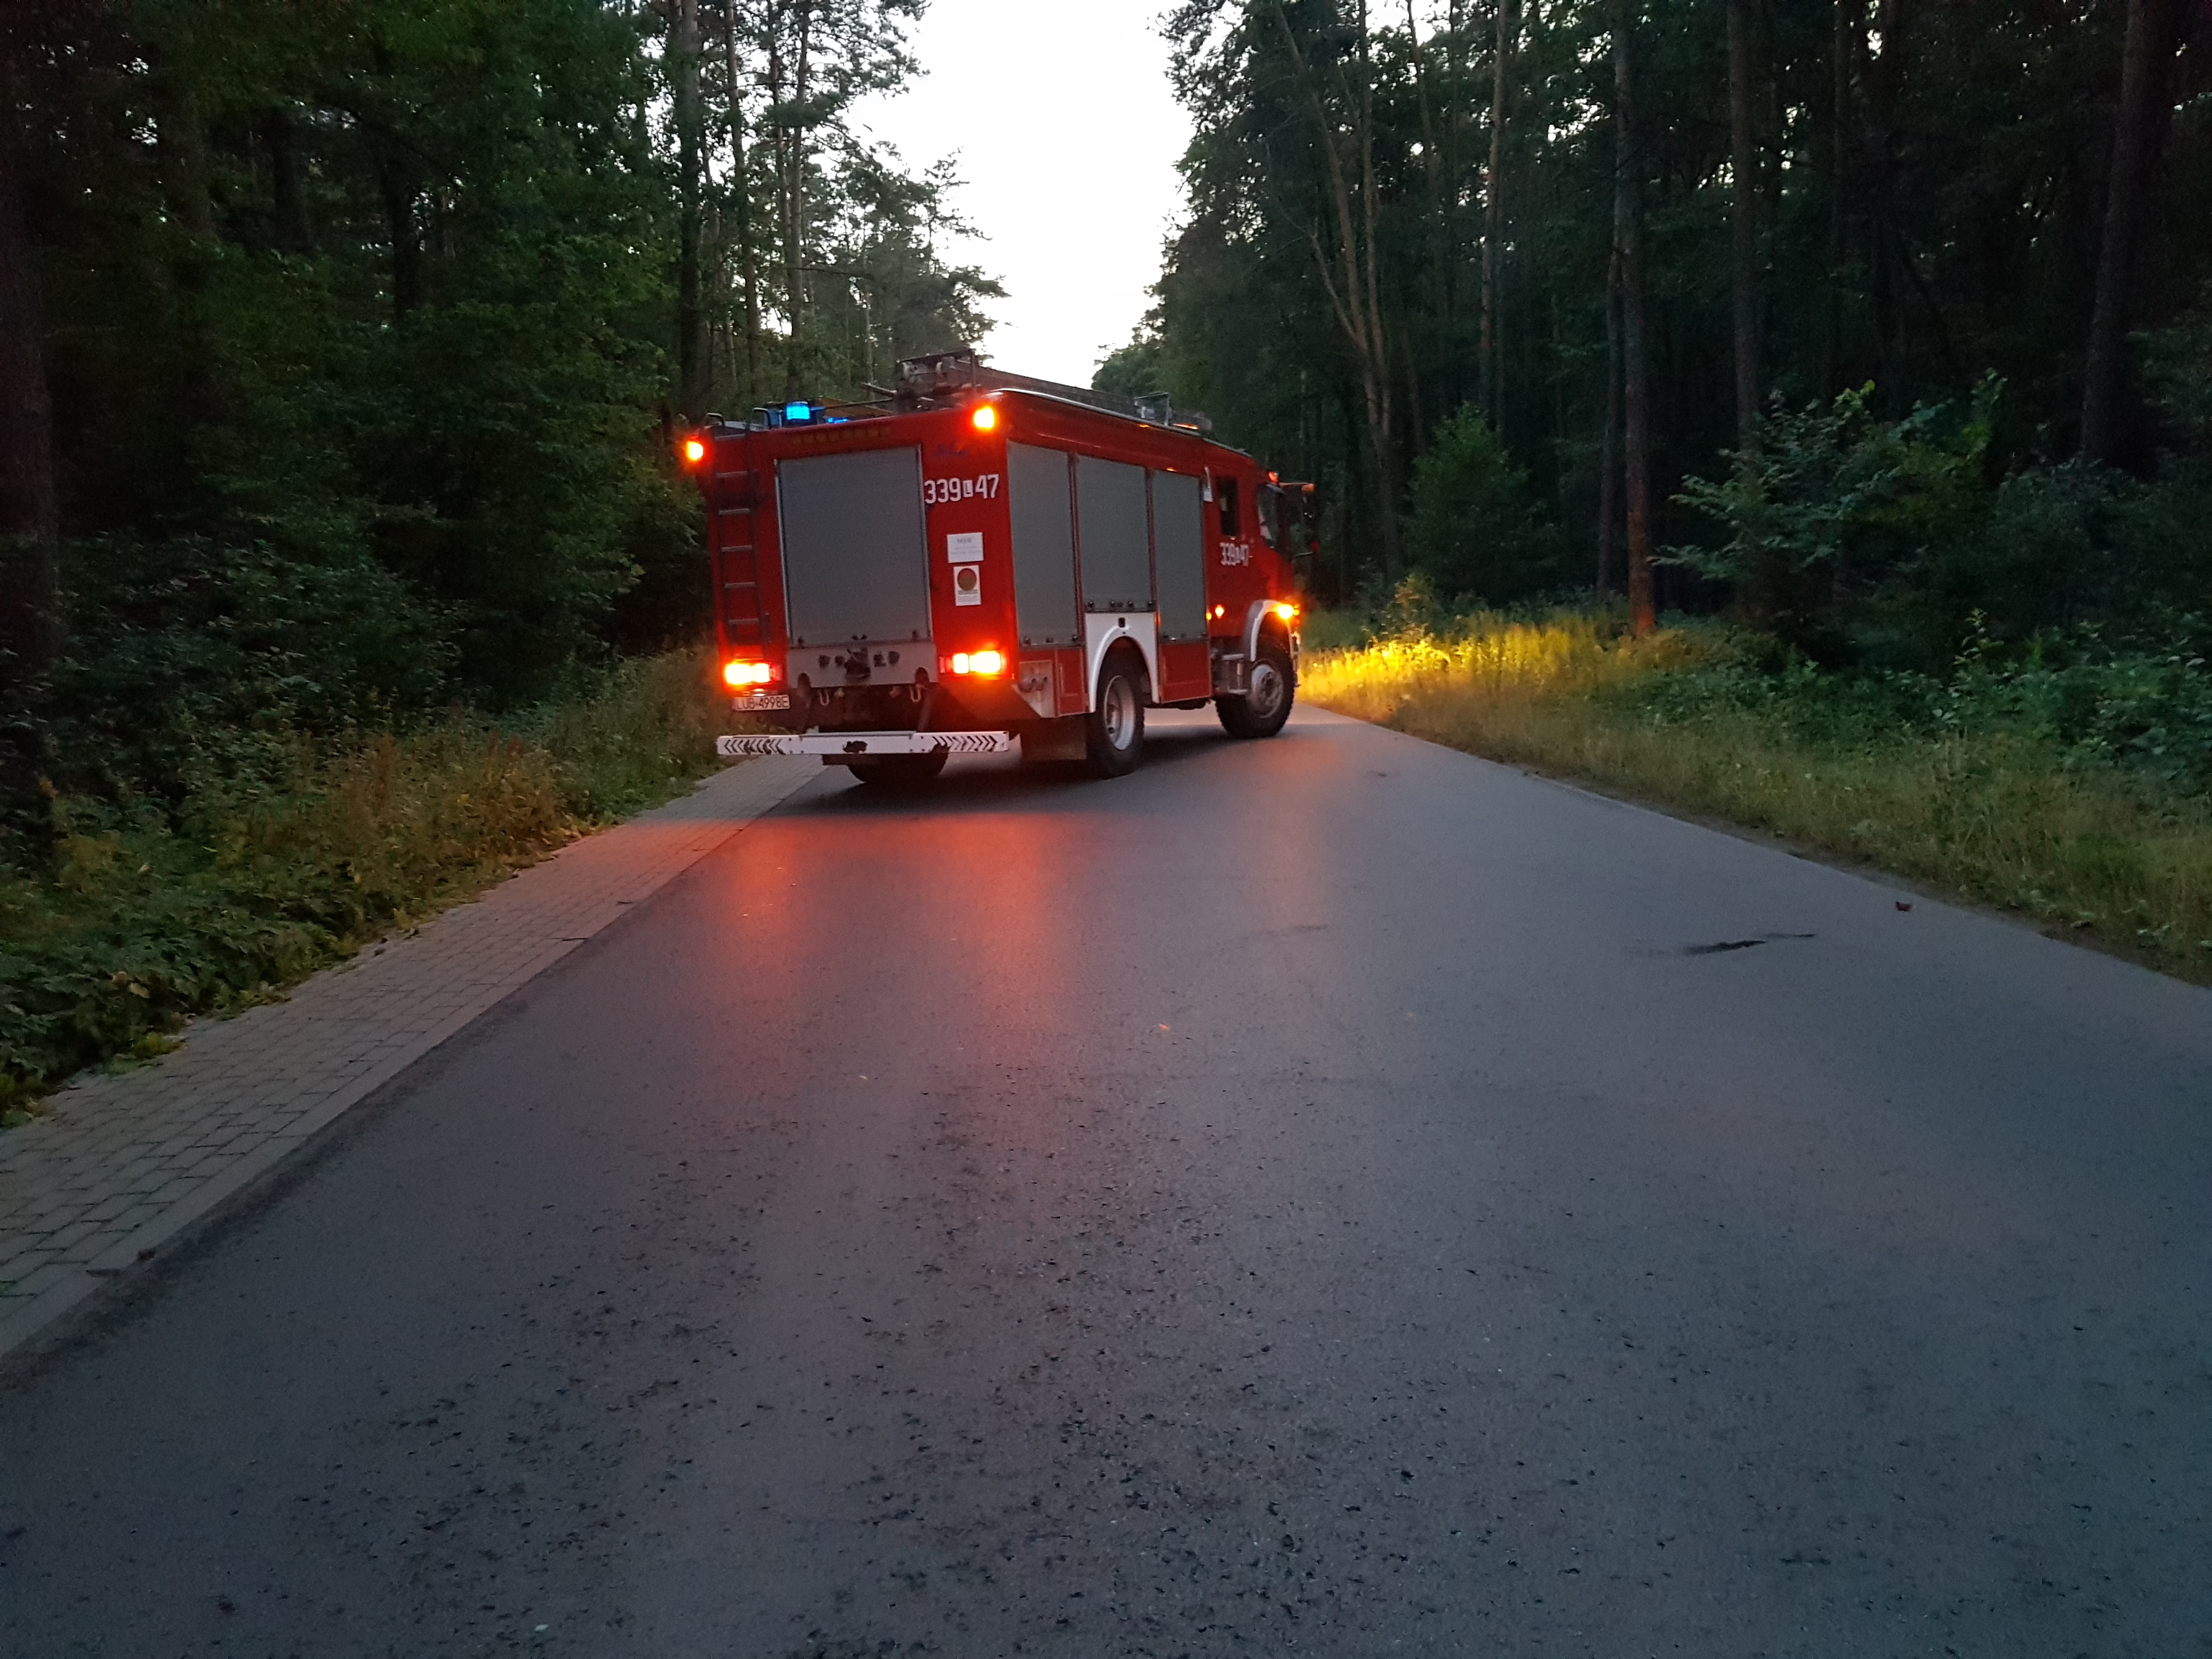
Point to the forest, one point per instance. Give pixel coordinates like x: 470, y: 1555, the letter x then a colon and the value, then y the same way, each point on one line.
x: 1872, y: 323
x: 360, y: 326
x: 342, y: 346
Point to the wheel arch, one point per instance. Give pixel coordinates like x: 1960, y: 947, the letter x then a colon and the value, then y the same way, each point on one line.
x: 1262, y: 621
x: 1132, y: 651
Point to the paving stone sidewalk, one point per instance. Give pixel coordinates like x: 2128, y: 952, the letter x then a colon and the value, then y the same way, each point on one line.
x: 124, y: 1162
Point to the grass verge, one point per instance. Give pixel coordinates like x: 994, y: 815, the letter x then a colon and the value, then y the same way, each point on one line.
x: 1971, y: 785
x: 290, y: 855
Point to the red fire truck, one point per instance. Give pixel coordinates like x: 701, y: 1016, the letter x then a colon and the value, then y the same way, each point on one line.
x: 981, y: 561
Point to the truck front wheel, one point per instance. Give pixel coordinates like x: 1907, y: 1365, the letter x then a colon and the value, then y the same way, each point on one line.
x: 1260, y: 713
x: 1116, y: 735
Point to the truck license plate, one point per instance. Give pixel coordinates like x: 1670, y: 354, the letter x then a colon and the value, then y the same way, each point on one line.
x: 761, y: 700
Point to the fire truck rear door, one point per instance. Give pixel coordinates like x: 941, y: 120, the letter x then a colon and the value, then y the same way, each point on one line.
x: 855, y: 553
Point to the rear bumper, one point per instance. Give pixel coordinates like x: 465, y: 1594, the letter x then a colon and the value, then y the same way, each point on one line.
x: 841, y: 744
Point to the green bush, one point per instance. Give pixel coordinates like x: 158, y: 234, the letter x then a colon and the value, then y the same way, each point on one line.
x: 2177, y: 364
x: 1476, y: 531
x: 1837, y: 502
x: 1850, y: 539
x: 284, y: 853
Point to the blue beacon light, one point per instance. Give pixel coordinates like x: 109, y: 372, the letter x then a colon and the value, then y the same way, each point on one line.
x: 798, y: 414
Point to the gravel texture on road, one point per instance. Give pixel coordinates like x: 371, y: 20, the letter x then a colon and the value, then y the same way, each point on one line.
x: 1326, y: 1195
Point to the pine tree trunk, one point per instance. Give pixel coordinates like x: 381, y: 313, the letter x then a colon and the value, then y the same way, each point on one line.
x: 741, y: 184
x: 1352, y: 278
x: 794, y: 195
x: 396, y: 192
x: 1628, y: 230
x: 184, y: 158
x: 398, y: 195
x: 1875, y: 183
x: 29, y: 511
x: 2149, y: 29
x: 288, y: 183
x: 683, y: 66
x: 1885, y: 81
x: 1744, y: 165
x: 1609, y: 483
x: 1432, y: 166
x: 1562, y: 484
x: 1493, y: 208
x: 1839, y: 184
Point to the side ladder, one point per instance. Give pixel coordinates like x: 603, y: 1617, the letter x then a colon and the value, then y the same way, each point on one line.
x: 737, y: 541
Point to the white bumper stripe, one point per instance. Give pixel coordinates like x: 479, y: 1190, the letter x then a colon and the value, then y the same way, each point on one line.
x: 869, y: 742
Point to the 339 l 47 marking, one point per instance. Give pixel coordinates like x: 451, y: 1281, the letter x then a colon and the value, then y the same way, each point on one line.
x: 936, y: 492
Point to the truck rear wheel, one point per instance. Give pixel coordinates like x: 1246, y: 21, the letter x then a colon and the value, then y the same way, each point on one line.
x: 1116, y: 733
x: 899, y: 771
x: 1261, y: 713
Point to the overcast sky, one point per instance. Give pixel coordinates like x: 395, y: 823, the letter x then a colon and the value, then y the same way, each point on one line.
x: 1060, y: 119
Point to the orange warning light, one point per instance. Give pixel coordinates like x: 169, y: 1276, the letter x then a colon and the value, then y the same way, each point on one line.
x: 979, y: 662
x: 986, y: 417
x: 1287, y: 611
x: 746, y: 673
x: 694, y: 451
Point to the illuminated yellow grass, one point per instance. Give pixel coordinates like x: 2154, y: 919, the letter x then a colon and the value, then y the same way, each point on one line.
x: 1994, y: 817
x: 1501, y: 661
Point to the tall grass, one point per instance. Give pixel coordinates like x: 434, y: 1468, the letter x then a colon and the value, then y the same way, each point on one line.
x: 1946, y: 789
x: 1491, y: 661
x: 287, y: 854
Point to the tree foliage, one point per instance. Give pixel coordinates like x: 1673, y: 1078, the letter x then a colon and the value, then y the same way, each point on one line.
x: 1476, y: 531
x: 362, y: 327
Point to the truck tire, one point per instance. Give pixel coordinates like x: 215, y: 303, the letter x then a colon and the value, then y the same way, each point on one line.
x: 899, y: 771
x: 1114, y: 732
x: 1262, y: 713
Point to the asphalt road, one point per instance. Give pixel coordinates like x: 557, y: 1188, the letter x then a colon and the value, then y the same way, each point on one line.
x: 1325, y: 1196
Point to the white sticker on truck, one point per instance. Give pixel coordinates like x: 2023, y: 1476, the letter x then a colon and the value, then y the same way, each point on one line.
x: 964, y: 548
x: 967, y: 586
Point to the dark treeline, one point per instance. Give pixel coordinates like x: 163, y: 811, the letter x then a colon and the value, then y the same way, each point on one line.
x: 1862, y: 317
x: 341, y: 340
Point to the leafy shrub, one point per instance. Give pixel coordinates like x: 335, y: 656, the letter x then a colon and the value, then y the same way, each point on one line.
x: 1838, y: 501
x: 141, y: 913
x: 171, y: 642
x: 1475, y: 531
x: 182, y: 658
x: 2177, y: 364
x: 1852, y: 538
x: 2145, y: 710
